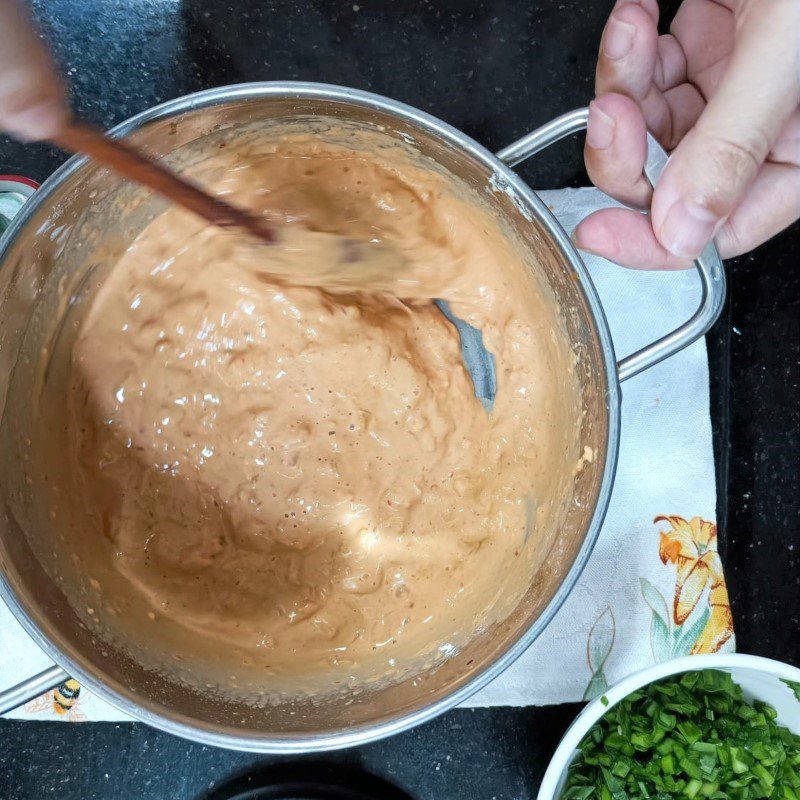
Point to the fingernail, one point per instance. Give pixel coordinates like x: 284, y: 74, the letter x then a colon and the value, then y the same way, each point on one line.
x: 575, y: 238
x: 601, y: 128
x: 586, y: 249
x: 618, y: 40
x: 687, y: 229
x: 602, y: 245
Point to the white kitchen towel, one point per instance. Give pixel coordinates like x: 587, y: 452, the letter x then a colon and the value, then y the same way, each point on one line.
x: 653, y: 588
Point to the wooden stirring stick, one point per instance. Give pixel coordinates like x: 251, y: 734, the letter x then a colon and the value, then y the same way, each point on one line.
x: 129, y: 162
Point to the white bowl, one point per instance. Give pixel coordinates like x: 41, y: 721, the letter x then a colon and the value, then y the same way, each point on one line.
x: 760, y: 679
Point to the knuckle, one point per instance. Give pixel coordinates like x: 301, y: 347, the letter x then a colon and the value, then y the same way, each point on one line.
x: 737, y: 158
x: 726, y: 166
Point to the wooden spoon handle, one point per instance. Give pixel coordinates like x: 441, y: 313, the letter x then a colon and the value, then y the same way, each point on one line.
x: 134, y: 165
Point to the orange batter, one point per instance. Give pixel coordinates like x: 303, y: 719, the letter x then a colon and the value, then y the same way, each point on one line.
x: 305, y: 482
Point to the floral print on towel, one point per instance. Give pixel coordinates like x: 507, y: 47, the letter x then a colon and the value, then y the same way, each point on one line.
x: 686, y: 596
x: 598, y: 649
x: 699, y: 620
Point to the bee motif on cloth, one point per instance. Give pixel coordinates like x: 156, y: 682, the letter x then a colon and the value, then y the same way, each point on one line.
x: 63, y: 701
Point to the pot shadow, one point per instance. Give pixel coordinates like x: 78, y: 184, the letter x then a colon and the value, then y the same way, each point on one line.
x: 310, y: 780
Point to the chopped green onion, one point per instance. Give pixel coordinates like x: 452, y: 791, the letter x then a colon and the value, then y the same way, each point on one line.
x: 794, y: 686
x: 690, y: 737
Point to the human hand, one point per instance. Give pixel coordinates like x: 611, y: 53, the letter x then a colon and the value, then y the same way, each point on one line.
x: 720, y: 92
x: 32, y: 100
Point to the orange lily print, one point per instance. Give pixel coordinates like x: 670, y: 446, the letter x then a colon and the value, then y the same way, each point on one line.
x: 691, y: 547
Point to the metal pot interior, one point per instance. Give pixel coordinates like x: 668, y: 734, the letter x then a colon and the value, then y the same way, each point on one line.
x: 72, y: 216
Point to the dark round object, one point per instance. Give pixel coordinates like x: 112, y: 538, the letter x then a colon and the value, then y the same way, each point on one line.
x: 307, y: 790
x: 307, y: 780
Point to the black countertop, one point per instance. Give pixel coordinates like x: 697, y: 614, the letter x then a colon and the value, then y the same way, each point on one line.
x: 496, y: 69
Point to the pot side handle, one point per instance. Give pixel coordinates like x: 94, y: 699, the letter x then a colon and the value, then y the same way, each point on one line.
x: 709, y: 264
x: 31, y: 687
x: 51, y: 677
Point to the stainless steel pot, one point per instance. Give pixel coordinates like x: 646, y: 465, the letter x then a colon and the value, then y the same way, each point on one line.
x: 60, y: 214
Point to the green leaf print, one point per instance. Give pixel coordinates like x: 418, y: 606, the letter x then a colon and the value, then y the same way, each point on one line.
x: 598, y: 648
x: 688, y: 634
x: 656, y: 601
x: 661, y: 640
x: 668, y: 640
x: 661, y: 634
x: 598, y: 685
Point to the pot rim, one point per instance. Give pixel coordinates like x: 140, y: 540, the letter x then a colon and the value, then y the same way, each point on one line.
x: 180, y: 725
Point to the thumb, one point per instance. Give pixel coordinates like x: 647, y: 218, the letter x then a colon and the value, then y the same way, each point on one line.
x: 713, y: 166
x: 32, y: 101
